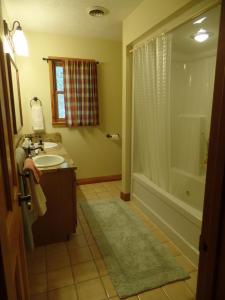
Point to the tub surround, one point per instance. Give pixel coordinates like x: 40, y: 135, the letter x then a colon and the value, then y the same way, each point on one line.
x: 180, y: 221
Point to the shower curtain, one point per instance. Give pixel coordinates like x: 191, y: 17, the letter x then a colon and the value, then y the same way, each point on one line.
x: 151, y: 110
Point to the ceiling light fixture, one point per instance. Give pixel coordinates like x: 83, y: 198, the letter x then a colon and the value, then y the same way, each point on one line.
x: 97, y: 11
x: 199, y: 21
x: 16, y: 38
x: 202, y: 35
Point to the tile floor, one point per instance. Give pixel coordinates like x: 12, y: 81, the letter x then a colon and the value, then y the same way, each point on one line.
x: 75, y: 270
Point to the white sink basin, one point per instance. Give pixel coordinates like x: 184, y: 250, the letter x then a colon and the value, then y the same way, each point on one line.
x: 48, y: 145
x: 48, y: 160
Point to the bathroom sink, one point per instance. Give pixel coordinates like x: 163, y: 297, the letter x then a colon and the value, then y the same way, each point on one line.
x: 48, y: 160
x: 48, y: 145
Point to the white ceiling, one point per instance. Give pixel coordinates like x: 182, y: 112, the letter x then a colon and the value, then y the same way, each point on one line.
x: 70, y: 17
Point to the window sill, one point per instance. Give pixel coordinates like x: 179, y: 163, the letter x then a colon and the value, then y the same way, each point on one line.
x: 59, y: 124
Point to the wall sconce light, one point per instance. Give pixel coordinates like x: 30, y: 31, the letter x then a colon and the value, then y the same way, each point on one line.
x: 16, y: 38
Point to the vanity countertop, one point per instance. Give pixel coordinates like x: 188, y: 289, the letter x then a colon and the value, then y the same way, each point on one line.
x: 59, y: 150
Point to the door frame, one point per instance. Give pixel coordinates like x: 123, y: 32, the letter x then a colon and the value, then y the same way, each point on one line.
x: 212, y: 241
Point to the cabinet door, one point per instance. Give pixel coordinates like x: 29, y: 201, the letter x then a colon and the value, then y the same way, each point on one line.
x: 60, y: 219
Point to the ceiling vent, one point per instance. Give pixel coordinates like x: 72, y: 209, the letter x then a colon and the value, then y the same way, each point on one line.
x: 97, y: 11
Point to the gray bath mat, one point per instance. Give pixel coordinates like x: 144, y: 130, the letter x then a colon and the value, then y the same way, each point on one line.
x: 135, y: 259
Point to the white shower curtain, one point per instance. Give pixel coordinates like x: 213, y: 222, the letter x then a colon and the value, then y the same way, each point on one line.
x: 151, y: 99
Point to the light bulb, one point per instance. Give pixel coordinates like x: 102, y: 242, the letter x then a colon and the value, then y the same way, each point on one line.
x: 201, y: 36
x: 20, y: 43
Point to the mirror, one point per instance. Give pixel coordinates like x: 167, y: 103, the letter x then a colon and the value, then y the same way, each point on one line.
x: 14, y: 94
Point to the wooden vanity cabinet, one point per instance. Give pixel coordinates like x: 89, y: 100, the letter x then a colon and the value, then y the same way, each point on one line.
x: 59, y: 187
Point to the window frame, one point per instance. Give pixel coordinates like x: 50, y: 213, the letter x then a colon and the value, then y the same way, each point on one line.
x: 54, y: 99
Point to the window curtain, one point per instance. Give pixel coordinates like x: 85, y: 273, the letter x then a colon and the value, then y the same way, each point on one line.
x: 151, y: 100
x: 81, y: 93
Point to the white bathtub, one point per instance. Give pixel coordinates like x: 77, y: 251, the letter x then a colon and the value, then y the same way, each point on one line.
x: 188, y: 188
x: 180, y: 221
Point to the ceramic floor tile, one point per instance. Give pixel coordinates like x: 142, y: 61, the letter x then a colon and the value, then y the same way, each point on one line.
x: 102, y: 269
x: 160, y: 236
x: 139, y: 213
x: 39, y: 297
x: 91, y: 287
x: 100, y: 189
x: 117, y: 183
x: 95, y: 252
x: 85, y: 187
x: 150, y: 226
x: 57, y: 261
x: 82, y: 219
x: 115, y: 194
x: 192, y: 282
x: 79, y: 229
x: 104, y: 195
x: 178, y: 290
x: 97, y: 184
x: 80, y: 255
x: 109, y: 288
x: 90, y: 195
x: 172, y: 248
x: 38, y: 283
x: 111, y: 188
x: 85, y: 228
x: 81, y: 197
x: 103, y: 199
x: 66, y: 293
x: 36, y: 265
x: 77, y: 241
x: 156, y: 294
x: 85, y: 271
x: 89, y: 186
x: 60, y: 278
x: 37, y: 252
x: 79, y: 211
x: 185, y: 263
x: 57, y: 248
x: 61, y: 282
x: 90, y: 239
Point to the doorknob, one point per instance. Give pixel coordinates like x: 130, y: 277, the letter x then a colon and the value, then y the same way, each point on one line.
x: 26, y: 198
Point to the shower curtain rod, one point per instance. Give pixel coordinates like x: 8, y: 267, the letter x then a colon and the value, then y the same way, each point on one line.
x: 64, y: 58
x: 146, y: 41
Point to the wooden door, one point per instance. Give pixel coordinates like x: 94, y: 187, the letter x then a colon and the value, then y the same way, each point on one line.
x: 13, y: 268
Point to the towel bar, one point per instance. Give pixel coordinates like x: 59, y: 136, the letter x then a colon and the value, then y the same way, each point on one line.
x: 36, y: 100
x: 24, y: 174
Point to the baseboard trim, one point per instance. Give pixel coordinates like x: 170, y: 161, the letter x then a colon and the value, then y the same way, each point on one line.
x: 125, y: 196
x: 99, y: 179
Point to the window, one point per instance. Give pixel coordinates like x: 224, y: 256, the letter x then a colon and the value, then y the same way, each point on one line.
x: 57, y: 91
x: 74, y: 92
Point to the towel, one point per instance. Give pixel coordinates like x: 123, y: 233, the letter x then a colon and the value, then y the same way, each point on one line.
x: 34, y: 188
x: 29, y: 215
x: 37, y: 117
x: 30, y: 166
